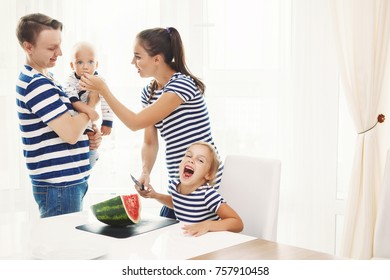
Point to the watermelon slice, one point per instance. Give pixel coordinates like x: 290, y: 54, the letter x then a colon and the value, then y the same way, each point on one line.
x: 119, y: 211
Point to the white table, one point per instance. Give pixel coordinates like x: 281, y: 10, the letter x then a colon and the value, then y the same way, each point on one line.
x: 57, y: 238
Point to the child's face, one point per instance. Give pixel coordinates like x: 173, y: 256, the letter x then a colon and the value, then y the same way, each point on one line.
x: 84, y: 62
x: 195, y: 166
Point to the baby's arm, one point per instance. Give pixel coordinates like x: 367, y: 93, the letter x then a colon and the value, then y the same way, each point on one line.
x: 107, y: 117
x: 230, y: 221
x: 93, y: 99
x: 86, y: 109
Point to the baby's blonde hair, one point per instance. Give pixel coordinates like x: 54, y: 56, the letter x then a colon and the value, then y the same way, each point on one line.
x: 214, y: 162
x: 81, y: 45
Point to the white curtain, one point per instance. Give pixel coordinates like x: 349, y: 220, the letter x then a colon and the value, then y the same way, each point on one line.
x: 362, y: 30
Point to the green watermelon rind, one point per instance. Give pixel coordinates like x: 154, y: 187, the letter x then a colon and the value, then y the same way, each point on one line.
x: 112, y: 212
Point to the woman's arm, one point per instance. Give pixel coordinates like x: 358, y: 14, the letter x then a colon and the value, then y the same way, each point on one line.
x: 149, y: 153
x: 230, y: 221
x: 152, y: 114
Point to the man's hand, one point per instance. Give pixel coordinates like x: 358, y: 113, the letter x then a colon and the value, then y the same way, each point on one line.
x: 95, y: 138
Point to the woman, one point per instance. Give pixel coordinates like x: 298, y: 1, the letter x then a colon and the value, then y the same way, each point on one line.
x: 173, y: 102
x: 55, y: 144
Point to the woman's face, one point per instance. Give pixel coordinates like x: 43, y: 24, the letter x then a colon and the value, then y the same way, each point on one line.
x: 144, y: 63
x: 47, y: 48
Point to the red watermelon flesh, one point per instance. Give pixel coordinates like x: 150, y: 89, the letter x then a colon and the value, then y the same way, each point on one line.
x: 132, y: 207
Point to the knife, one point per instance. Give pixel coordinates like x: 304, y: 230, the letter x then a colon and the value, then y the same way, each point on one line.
x: 141, y: 186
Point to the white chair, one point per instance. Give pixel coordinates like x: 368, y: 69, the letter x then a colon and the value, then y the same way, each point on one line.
x: 382, y: 225
x: 251, y: 186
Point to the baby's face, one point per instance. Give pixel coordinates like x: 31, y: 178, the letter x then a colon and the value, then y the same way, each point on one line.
x: 84, y: 62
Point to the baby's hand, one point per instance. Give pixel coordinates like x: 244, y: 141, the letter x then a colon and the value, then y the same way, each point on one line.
x: 106, y: 130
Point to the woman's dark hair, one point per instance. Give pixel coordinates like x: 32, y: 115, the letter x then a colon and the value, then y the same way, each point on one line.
x: 167, y: 41
x: 30, y: 26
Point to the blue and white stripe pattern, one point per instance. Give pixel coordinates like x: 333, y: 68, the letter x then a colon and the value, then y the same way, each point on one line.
x: 49, y: 159
x: 188, y: 124
x: 74, y: 92
x: 198, y: 206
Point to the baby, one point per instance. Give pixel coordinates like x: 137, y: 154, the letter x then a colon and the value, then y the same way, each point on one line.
x: 83, y: 60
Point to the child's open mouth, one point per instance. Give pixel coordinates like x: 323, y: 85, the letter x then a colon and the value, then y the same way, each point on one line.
x: 188, y: 171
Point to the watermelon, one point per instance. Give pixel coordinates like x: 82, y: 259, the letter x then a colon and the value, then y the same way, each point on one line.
x: 119, y: 211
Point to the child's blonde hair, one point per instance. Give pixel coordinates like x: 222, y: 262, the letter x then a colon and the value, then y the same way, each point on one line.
x: 80, y: 46
x: 214, y: 162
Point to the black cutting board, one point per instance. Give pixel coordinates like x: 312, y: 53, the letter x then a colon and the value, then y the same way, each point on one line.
x: 124, y: 232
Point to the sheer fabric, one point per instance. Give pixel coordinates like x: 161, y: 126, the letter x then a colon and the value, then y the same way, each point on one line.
x: 362, y: 31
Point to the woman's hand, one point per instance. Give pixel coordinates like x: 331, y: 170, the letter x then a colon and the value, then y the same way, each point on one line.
x: 93, y: 83
x: 144, y: 179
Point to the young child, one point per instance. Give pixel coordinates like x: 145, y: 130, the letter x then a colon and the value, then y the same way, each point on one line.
x: 193, y: 198
x: 84, y: 60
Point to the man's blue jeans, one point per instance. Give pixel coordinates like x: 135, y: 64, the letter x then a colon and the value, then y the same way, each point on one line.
x: 55, y: 200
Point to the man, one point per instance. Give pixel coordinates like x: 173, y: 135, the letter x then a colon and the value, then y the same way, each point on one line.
x: 55, y: 144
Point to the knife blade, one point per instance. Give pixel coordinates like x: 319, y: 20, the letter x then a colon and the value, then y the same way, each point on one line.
x: 141, y: 186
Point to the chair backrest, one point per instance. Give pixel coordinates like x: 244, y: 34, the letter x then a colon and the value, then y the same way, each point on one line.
x: 250, y: 185
x: 382, y: 225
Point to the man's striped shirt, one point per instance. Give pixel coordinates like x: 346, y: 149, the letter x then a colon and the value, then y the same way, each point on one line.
x: 49, y: 159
